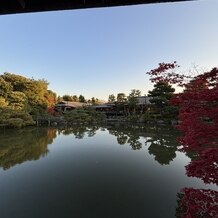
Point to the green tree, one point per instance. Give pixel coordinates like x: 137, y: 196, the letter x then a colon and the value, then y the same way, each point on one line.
x: 121, y: 98
x: 3, y: 102
x: 16, y: 81
x: 59, y: 99
x: 36, y: 87
x: 75, y: 98
x: 14, y: 118
x: 34, y: 92
x: 111, y: 98
x: 51, y: 98
x: 121, y: 101
x: 161, y: 94
x: 82, y: 99
x: 5, y: 88
x: 21, y: 93
x: 17, y: 100
x: 67, y: 98
x: 84, y: 115
x: 93, y: 100
x: 133, y: 99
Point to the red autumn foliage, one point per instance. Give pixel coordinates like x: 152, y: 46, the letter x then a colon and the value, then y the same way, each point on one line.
x: 198, y: 112
x: 166, y: 72
x: 198, y: 115
x: 198, y: 120
x: 198, y: 203
x: 198, y: 105
x: 51, y: 111
x: 205, y: 167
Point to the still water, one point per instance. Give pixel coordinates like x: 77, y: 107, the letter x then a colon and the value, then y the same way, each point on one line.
x: 89, y: 172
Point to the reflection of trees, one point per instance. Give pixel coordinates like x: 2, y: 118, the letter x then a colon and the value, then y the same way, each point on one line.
x: 127, y: 134
x: 200, y: 202
x: 91, y: 131
x: 205, y: 167
x: 197, y: 203
x: 23, y: 145
x: 162, y: 149
x: 79, y: 131
x: 163, y: 153
x: 122, y: 139
x: 134, y: 142
x: 162, y: 144
x: 161, y: 140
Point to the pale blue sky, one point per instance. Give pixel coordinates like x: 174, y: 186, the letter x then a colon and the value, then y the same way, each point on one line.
x: 97, y: 52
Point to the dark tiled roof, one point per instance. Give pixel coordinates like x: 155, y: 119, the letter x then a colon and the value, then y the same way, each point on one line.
x: 70, y: 104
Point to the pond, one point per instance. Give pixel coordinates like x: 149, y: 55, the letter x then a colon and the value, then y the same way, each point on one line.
x: 122, y: 171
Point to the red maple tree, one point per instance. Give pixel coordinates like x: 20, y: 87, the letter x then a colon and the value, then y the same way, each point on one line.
x: 198, y: 120
x: 198, y: 105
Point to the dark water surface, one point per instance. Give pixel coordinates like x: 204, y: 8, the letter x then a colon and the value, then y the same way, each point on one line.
x: 114, y: 171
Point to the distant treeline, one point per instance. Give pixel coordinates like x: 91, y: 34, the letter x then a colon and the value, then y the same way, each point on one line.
x: 23, y: 99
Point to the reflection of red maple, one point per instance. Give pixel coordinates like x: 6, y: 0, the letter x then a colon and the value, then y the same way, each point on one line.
x: 206, y: 167
x: 198, y: 203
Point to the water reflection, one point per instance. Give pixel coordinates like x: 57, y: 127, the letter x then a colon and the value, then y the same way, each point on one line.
x: 205, y: 167
x: 200, y: 202
x: 128, y: 135
x: 161, y: 141
x: 18, y: 146
x: 162, y: 146
x: 82, y: 171
x: 197, y: 203
x: 80, y: 131
x: 31, y: 144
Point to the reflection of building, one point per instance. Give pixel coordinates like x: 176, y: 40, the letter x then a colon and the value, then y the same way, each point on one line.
x: 68, y: 105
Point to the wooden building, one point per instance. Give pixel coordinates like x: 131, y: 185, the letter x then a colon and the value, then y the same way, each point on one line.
x: 64, y: 106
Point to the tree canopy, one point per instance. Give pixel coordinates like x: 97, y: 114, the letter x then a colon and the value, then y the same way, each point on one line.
x: 21, y: 95
x: 198, y: 120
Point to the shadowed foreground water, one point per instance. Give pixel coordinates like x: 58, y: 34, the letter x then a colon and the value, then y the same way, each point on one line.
x: 112, y: 171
